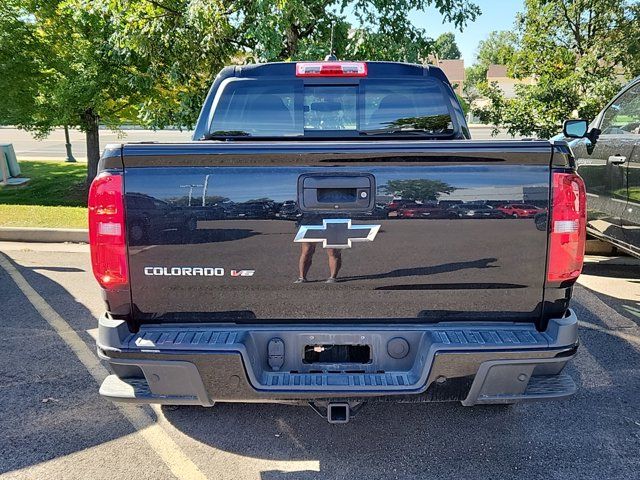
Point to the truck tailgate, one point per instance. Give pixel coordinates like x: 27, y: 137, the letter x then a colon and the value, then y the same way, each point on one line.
x: 211, y: 230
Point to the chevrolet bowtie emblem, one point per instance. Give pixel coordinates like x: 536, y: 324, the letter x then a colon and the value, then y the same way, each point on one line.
x: 337, y: 233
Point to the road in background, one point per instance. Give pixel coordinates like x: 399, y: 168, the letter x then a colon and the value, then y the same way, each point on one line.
x: 54, y: 424
x: 53, y: 147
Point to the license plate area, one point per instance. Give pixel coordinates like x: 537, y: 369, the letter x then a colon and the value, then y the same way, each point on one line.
x: 336, y: 353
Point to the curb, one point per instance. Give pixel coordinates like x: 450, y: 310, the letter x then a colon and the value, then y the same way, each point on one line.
x: 44, y: 235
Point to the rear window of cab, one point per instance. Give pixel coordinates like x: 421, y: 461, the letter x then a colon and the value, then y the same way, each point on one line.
x: 262, y: 107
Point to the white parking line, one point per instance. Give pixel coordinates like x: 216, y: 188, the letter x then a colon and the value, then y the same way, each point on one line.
x: 161, y: 443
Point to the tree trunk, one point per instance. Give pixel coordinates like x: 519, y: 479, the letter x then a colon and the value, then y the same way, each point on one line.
x: 291, y: 43
x: 92, y: 133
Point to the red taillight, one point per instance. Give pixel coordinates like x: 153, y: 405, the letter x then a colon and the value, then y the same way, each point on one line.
x: 107, y: 231
x: 331, y: 69
x: 568, y: 227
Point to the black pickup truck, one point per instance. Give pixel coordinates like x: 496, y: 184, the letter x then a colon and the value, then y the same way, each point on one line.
x: 263, y: 261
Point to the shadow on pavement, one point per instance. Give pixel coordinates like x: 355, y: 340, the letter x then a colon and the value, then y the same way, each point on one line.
x: 603, y: 269
x: 627, y: 304
x: 593, y: 435
x: 49, y: 402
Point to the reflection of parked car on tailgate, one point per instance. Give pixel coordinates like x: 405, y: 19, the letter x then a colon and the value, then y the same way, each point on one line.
x: 289, y: 210
x: 379, y: 211
x: 149, y: 216
x: 397, y: 204
x: 425, y: 211
x: 251, y: 210
x: 476, y: 210
x: 608, y: 159
x: 520, y: 210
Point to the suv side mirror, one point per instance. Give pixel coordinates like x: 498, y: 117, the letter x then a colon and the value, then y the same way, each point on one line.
x: 575, y: 128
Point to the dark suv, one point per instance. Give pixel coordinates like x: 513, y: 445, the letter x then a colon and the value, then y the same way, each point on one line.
x: 608, y: 159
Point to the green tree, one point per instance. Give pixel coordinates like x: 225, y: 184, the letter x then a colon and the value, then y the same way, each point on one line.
x: 84, y: 63
x: 418, y: 189
x: 57, y: 68
x: 178, y: 47
x: 446, y: 47
x: 578, y: 51
x: 430, y: 123
x: 19, y: 69
x: 385, y: 31
x: 184, y: 43
x: 497, y: 49
x: 464, y: 104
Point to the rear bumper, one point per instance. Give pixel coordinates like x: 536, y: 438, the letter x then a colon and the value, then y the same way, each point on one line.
x: 475, y: 363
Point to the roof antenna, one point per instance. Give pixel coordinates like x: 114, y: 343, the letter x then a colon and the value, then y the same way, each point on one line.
x: 331, y: 57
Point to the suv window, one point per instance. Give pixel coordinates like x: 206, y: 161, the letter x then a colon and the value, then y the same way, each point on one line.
x: 623, y: 115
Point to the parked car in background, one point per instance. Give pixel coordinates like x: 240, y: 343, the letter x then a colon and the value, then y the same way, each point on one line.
x: 608, y: 159
x: 520, y: 210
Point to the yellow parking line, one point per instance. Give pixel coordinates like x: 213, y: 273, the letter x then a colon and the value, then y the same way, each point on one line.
x: 161, y: 443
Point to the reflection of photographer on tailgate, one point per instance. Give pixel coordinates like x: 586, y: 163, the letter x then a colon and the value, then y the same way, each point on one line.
x: 307, y: 249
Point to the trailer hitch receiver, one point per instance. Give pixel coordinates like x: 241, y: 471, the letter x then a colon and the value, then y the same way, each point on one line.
x: 338, y: 412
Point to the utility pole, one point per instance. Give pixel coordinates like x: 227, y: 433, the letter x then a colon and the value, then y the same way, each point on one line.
x: 70, y: 158
x: 204, y: 189
x: 191, y: 187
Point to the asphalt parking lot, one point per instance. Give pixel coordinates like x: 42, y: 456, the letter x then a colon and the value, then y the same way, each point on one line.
x: 54, y: 425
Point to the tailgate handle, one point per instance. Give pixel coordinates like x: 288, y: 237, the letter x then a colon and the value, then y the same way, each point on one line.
x: 344, y: 192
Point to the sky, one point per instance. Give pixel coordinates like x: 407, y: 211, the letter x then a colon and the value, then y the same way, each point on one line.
x: 496, y: 15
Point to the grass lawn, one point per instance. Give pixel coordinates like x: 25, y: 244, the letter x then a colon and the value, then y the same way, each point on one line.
x: 40, y: 216
x: 55, y: 196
